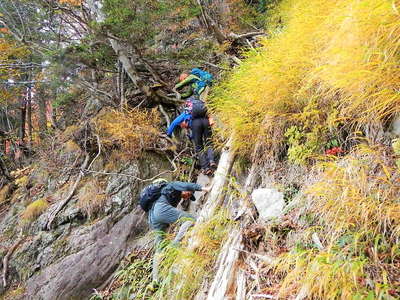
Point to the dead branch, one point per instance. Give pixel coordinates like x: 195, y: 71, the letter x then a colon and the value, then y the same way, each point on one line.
x: 164, y: 114
x: 215, y: 66
x: 71, y: 193
x: 163, y: 98
x: 93, y: 89
x: 129, y: 175
x: 98, y: 153
x: 7, y: 257
x: 235, y: 36
x: 235, y: 59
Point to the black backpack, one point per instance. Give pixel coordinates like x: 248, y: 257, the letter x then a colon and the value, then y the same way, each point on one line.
x: 150, y: 194
x: 199, y: 109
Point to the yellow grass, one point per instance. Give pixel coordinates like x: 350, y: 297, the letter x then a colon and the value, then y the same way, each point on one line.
x: 341, y: 54
x: 355, y: 202
x: 132, y: 131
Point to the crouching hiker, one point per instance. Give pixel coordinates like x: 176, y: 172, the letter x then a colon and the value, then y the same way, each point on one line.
x: 164, y: 198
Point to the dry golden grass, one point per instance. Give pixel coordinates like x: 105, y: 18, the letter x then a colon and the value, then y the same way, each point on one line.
x: 355, y: 203
x: 91, y: 197
x: 4, y: 193
x: 341, y: 55
x: 132, y: 130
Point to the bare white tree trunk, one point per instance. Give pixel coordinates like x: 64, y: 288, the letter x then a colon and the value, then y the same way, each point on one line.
x: 230, y: 281
x: 221, y: 176
x: 227, y: 266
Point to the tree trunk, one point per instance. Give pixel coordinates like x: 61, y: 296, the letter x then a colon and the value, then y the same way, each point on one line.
x: 29, y: 116
x: 216, y: 195
x: 23, y: 120
x: 42, y: 113
x: 229, y: 281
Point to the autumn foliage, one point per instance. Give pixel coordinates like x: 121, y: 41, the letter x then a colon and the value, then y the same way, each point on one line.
x: 131, y: 131
x: 326, y: 64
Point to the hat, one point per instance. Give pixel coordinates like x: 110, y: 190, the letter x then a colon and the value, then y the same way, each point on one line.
x: 160, y: 180
x: 183, y: 76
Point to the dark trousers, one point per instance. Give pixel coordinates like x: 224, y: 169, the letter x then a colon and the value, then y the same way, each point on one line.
x: 201, y: 134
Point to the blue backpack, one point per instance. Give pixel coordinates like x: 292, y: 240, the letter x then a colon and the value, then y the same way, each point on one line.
x: 150, y: 194
x: 205, y: 79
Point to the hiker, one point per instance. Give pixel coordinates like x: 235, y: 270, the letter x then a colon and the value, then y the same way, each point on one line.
x: 196, y: 82
x: 163, y: 212
x: 195, y: 117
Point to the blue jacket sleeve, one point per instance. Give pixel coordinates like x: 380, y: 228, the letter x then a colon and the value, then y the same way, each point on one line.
x: 178, y: 120
x: 185, y: 186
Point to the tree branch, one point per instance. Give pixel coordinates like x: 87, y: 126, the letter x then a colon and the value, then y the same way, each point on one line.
x: 7, y: 257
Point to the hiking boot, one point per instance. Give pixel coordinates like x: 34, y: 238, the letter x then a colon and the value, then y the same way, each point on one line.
x: 213, y: 165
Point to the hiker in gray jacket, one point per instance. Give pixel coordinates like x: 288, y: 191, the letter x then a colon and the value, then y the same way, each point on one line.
x: 164, y: 212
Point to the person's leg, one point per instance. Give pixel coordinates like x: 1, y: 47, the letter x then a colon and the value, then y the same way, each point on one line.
x: 160, y: 217
x: 182, y: 231
x: 197, y: 134
x: 208, y: 142
x: 159, y: 235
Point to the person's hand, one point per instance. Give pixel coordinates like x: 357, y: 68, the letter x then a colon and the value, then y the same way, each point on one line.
x: 207, y: 189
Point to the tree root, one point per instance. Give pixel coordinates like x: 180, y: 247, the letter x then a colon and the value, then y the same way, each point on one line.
x: 7, y: 257
x: 71, y: 193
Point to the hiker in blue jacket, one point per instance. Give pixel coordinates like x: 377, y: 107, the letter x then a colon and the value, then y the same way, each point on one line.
x: 195, y: 117
x: 164, y: 212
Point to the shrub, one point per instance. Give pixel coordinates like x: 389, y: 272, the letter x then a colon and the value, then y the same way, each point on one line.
x: 132, y: 131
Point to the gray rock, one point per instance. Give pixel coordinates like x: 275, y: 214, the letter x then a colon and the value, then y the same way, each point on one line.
x: 75, y: 276
x: 395, y: 128
x: 269, y: 203
x: 74, y: 257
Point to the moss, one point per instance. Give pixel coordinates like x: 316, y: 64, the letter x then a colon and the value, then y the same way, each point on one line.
x: 22, y: 181
x: 14, y: 293
x: 4, y: 193
x: 34, y: 210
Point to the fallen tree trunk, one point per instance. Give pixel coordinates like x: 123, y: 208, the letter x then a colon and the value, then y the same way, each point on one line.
x: 221, y: 176
x: 229, y: 281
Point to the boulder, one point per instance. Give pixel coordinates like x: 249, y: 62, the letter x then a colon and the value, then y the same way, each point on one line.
x: 269, y: 203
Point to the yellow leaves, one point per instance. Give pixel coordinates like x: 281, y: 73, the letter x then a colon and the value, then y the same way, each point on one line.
x: 132, y: 131
x: 72, y: 2
x: 341, y: 53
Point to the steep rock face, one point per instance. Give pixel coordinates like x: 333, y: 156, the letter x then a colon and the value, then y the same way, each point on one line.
x: 75, y: 276
x: 78, y: 254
